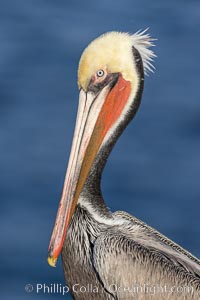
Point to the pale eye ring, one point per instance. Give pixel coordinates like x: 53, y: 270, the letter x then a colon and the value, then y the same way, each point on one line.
x: 100, y: 73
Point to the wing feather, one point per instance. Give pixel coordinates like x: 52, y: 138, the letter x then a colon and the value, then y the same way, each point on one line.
x: 132, y: 263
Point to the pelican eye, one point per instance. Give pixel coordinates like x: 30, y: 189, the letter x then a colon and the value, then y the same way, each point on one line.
x: 100, y: 73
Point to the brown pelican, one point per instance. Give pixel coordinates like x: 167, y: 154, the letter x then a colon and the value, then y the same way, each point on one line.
x: 112, y: 255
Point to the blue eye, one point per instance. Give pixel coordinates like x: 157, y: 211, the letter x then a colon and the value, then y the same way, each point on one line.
x: 100, y: 73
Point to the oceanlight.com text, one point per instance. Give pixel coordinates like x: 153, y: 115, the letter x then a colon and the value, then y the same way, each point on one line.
x: 58, y: 288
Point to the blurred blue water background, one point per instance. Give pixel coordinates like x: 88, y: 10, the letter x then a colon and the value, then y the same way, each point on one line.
x: 154, y: 170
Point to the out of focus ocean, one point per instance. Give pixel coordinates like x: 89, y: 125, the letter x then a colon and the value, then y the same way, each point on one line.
x: 154, y: 170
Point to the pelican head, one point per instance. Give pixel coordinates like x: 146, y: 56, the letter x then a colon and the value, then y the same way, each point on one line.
x: 110, y: 79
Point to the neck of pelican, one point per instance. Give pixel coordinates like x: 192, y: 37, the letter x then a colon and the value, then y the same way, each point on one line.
x: 91, y: 193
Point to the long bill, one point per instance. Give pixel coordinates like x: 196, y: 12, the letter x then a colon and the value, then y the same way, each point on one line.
x: 96, y: 115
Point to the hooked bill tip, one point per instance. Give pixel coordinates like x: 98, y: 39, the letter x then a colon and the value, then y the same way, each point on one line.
x: 52, y: 261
